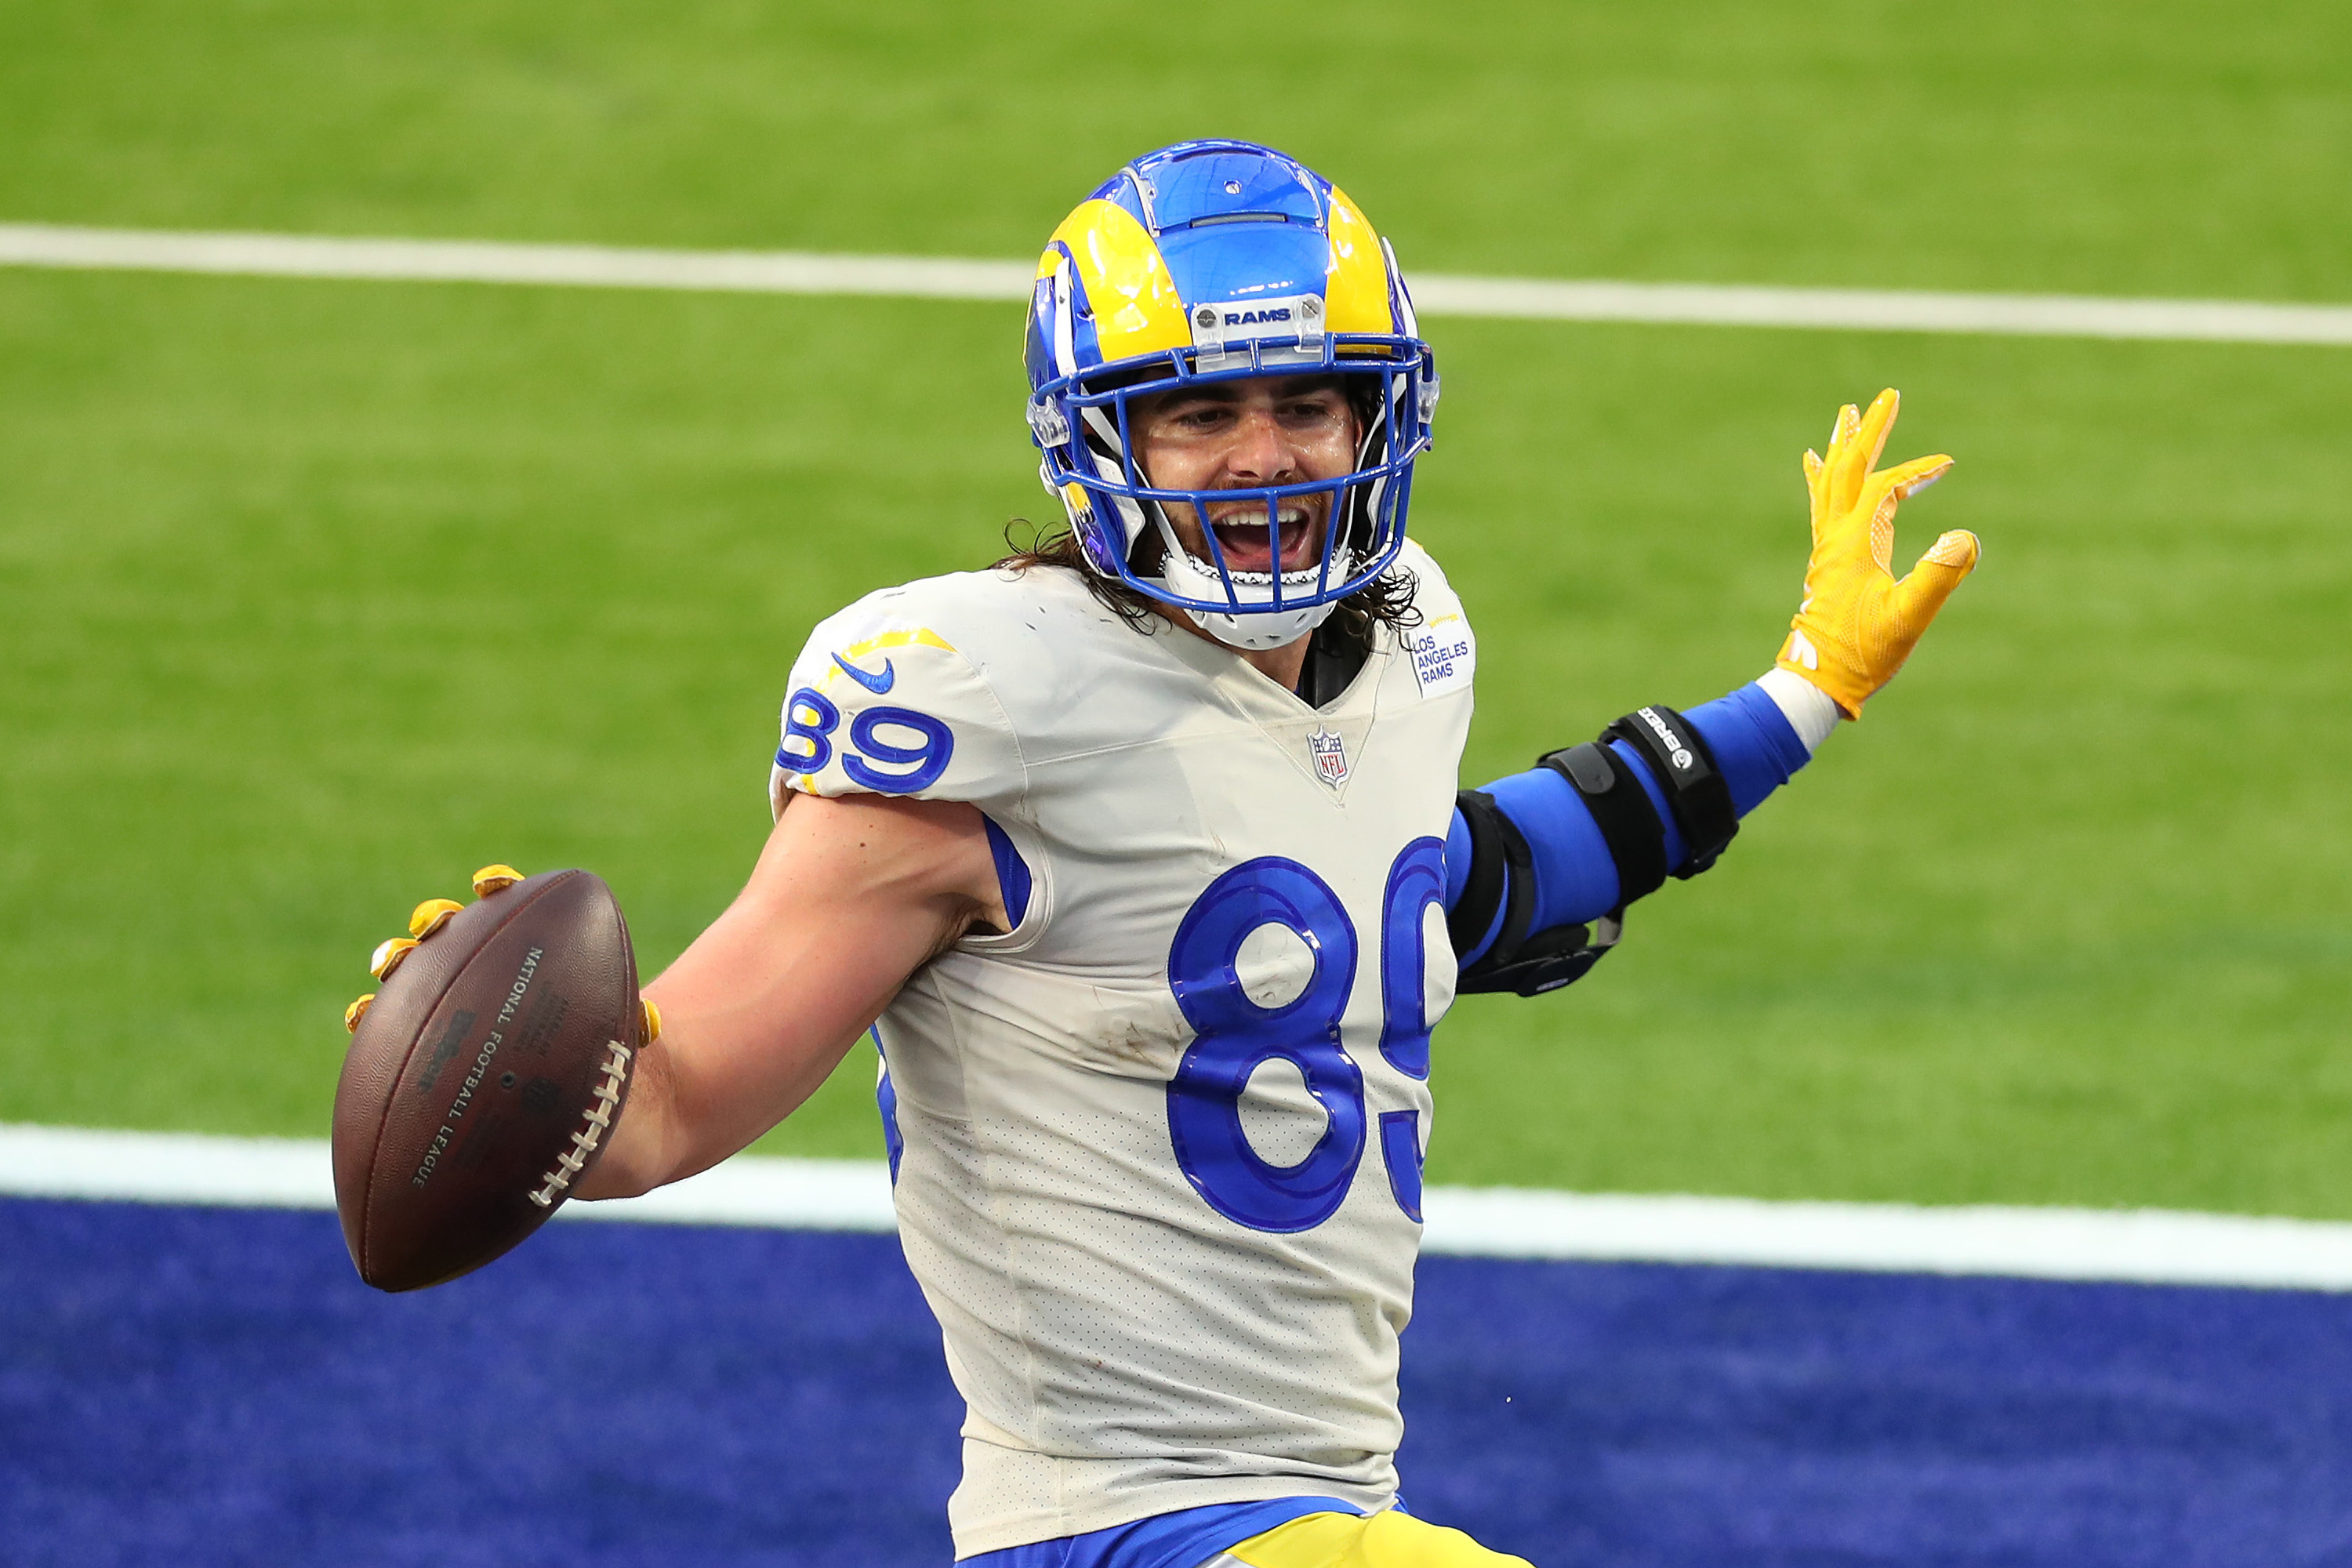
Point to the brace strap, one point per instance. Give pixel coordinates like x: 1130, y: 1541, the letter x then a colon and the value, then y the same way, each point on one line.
x: 1685, y: 768
x: 1503, y: 867
x: 1620, y: 807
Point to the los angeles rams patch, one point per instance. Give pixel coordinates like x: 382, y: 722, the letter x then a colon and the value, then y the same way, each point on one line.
x: 1443, y: 655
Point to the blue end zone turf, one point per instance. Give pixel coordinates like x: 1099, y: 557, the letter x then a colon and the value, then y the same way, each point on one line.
x: 1765, y: 1418
x: 201, y: 1386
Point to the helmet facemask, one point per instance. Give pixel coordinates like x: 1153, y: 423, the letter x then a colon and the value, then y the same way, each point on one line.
x: 1126, y: 523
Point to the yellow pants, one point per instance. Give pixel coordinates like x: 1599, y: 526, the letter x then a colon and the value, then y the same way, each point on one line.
x: 1389, y: 1540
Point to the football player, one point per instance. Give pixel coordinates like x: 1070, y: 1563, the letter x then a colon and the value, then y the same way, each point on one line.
x: 1143, y: 858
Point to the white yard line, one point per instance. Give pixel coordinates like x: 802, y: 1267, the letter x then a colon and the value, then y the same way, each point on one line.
x: 296, y: 1173
x: 2145, y: 1246
x: 1887, y: 310
x: 2142, y: 1246
x: 936, y: 278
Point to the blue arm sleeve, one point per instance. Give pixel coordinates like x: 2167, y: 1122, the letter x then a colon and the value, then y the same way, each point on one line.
x: 1576, y: 880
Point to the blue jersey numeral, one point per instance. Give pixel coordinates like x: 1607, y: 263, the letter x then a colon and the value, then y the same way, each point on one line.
x: 881, y: 763
x: 914, y: 767
x: 809, y: 718
x: 1236, y: 1035
x: 1416, y: 881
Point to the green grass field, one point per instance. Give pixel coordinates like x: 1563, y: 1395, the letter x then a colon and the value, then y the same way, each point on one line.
x: 313, y: 596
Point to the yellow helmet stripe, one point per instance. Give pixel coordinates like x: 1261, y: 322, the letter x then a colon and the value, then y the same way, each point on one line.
x: 1355, y: 294
x: 1136, y: 310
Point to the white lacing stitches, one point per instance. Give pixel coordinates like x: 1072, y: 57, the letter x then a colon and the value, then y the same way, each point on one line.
x: 596, y: 1125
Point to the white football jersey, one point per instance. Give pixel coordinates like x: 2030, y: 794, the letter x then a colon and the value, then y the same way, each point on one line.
x: 1161, y: 1142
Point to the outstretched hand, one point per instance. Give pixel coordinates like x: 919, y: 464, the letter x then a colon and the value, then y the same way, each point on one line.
x: 1857, y: 623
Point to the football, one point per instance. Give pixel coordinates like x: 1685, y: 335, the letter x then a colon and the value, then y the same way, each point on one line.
x: 482, y: 1080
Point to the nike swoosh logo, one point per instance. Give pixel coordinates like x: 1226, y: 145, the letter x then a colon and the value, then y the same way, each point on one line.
x: 876, y: 684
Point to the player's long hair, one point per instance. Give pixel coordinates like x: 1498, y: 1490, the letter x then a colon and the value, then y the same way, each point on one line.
x: 1385, y: 600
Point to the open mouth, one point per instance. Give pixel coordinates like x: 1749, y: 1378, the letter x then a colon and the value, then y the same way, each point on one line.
x: 1241, y: 538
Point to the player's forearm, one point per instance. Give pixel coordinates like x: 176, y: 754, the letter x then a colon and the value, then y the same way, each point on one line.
x: 639, y: 1148
x: 699, y: 1099
x: 755, y: 1015
x: 681, y: 1117
x: 689, y: 1110
x: 1757, y: 736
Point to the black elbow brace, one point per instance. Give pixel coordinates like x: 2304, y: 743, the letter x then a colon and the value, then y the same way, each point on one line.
x: 1533, y: 963
x: 1685, y: 769
x: 1526, y: 964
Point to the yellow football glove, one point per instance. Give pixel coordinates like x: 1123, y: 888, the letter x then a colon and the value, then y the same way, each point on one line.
x: 1857, y: 623
x: 429, y: 918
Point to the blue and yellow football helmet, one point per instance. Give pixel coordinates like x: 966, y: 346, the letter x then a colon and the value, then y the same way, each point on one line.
x: 1210, y: 261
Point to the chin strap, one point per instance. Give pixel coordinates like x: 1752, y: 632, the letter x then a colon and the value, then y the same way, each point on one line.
x: 1257, y: 633
x: 1250, y: 630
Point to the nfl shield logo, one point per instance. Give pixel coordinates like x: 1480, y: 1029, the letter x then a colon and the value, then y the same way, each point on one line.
x: 1331, y: 757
